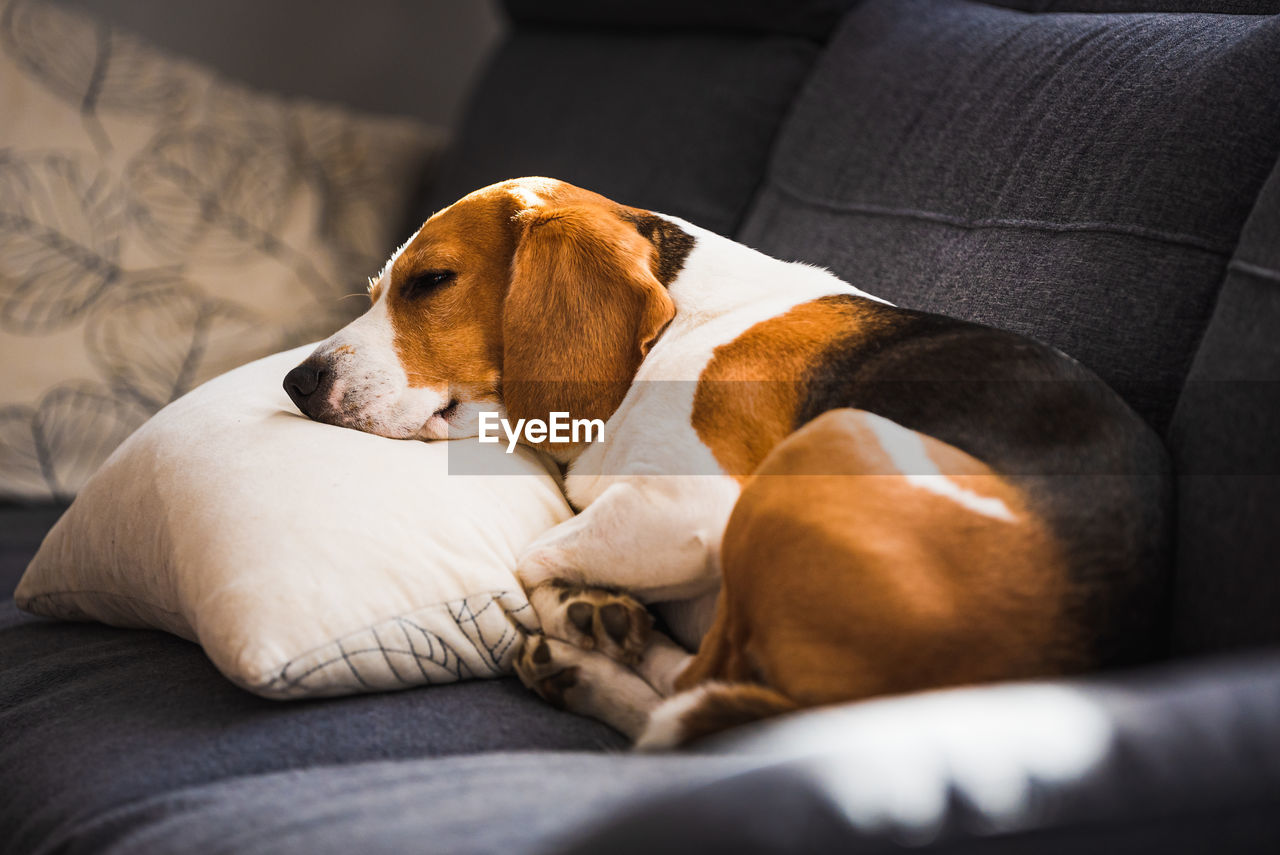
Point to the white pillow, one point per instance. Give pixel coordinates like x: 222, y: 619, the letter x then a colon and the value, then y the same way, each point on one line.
x: 306, y: 559
x: 160, y: 225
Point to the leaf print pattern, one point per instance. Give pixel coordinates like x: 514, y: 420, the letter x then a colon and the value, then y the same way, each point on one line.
x: 21, y: 472
x: 60, y: 225
x: 334, y: 155
x: 60, y: 442
x: 356, y: 185
x: 90, y: 65
x: 205, y: 192
x: 155, y: 338
x: 216, y: 225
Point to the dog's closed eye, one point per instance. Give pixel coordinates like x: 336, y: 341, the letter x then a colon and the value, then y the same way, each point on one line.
x: 421, y: 284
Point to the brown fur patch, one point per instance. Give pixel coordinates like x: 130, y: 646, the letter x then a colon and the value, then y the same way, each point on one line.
x: 751, y: 390
x: 583, y: 310
x: 725, y: 705
x: 453, y: 336
x: 557, y: 296
x: 843, y: 580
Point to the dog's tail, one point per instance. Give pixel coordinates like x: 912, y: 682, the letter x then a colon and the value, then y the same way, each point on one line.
x: 706, y: 709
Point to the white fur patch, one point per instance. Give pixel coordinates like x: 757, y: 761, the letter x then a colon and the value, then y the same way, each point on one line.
x: 656, y: 499
x: 665, y: 728
x: 371, y: 389
x: 532, y: 192
x: 907, y: 452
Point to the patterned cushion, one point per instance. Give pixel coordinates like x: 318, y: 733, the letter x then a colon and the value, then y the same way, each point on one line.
x: 159, y: 226
x: 1081, y: 179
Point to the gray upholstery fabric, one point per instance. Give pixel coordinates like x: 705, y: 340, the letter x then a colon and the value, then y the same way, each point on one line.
x: 812, y: 18
x: 497, y: 804
x: 1116, y: 765
x: 22, y: 530
x: 1090, y: 766
x: 387, y: 56
x: 675, y: 122
x: 1236, y: 7
x: 95, y: 717
x: 1080, y: 179
x: 1225, y: 441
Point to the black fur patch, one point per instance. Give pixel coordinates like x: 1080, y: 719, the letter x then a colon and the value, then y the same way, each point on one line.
x: 1093, y: 470
x: 671, y: 244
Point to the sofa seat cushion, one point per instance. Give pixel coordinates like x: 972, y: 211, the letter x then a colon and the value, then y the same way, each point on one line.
x: 1081, y: 179
x: 1062, y: 766
x: 1182, y: 759
x: 94, y: 717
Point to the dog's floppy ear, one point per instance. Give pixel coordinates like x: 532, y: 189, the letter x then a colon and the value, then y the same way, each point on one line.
x: 583, y: 310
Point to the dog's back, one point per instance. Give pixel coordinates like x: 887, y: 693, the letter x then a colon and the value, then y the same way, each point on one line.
x: 955, y: 504
x: 1090, y: 469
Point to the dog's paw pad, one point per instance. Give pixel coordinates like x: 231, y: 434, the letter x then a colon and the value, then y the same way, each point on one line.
x: 613, y: 623
x: 541, y: 670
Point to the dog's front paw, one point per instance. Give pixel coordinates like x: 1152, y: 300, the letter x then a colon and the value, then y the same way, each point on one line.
x: 551, y: 677
x: 585, y: 682
x: 600, y: 619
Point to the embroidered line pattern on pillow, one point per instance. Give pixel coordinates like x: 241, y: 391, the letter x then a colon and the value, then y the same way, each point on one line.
x: 402, y: 651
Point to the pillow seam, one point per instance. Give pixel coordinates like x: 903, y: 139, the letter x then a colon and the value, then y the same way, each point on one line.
x: 32, y: 598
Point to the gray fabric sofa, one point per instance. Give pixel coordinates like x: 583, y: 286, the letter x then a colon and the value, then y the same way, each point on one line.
x: 1103, y: 175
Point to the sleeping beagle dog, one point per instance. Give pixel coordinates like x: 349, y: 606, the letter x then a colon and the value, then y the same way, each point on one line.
x: 826, y: 496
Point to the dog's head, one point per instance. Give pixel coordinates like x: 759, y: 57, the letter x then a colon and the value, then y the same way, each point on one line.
x: 531, y: 294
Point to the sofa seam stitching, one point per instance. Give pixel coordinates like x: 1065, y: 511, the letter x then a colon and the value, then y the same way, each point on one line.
x: 1190, y: 241
x: 1248, y: 268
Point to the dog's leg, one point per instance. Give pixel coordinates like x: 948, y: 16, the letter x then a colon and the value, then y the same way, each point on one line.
x: 645, y: 539
x: 587, y: 683
x: 707, y: 709
x: 662, y: 664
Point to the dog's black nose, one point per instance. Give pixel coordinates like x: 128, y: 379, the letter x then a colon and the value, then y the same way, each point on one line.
x: 302, y: 382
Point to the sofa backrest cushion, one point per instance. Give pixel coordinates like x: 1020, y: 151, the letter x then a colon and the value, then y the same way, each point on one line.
x: 676, y: 121
x: 1082, y: 179
x: 1229, y: 7
x: 1225, y: 440
x: 812, y: 18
